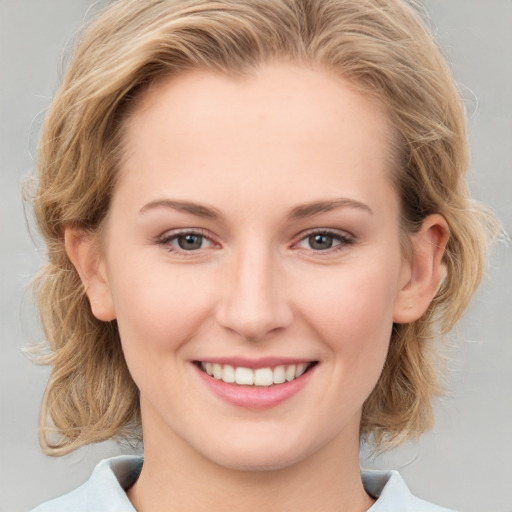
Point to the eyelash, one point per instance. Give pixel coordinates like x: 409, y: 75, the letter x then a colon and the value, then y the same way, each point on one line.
x: 343, y: 239
x: 166, y: 239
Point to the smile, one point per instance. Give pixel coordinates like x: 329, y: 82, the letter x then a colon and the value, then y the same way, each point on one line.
x: 255, y: 384
x: 263, y: 377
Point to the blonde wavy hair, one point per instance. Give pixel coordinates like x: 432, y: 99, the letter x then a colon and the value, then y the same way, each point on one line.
x: 381, y: 46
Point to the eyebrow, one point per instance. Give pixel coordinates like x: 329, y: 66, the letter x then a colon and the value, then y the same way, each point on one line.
x: 299, y: 212
x: 316, y: 207
x: 198, y: 210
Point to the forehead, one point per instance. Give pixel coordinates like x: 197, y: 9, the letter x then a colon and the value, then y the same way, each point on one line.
x: 202, y: 99
x: 299, y: 128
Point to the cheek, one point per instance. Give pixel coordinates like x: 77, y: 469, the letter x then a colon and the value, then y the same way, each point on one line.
x: 352, y: 310
x: 159, y: 310
x: 158, y: 306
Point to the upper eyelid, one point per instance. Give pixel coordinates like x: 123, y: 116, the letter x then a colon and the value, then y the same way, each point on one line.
x: 172, y: 233
x: 326, y: 231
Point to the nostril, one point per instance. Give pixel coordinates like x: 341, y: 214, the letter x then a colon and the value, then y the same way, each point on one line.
x: 254, y: 322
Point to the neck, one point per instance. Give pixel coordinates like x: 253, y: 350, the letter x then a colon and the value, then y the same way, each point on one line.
x: 175, y: 477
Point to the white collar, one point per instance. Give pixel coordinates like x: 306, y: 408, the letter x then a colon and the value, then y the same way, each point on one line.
x: 111, y: 477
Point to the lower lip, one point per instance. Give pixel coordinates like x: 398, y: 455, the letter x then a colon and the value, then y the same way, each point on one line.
x: 255, y: 397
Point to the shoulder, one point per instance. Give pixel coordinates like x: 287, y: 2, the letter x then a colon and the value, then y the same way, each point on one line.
x: 392, y: 494
x: 105, y: 487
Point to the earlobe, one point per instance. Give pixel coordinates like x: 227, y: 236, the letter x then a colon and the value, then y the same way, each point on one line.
x: 425, y: 270
x: 83, y: 251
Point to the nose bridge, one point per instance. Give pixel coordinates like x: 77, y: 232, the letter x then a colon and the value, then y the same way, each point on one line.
x: 253, y: 303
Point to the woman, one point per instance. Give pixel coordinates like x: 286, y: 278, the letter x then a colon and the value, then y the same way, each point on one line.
x: 257, y: 224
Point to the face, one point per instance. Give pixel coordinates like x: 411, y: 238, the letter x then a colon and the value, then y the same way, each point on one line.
x: 253, y: 236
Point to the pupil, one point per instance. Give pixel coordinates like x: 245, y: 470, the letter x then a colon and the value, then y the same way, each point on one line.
x: 321, y: 242
x: 188, y: 242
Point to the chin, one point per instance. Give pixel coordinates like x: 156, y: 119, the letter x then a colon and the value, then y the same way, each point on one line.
x: 256, y: 462
x: 259, y: 457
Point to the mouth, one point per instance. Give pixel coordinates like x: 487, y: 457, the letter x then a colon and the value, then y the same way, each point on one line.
x: 258, y: 377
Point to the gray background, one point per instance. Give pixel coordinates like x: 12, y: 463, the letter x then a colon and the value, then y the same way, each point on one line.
x: 465, y: 463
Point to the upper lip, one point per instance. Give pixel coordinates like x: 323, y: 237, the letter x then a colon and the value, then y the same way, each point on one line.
x: 255, y: 363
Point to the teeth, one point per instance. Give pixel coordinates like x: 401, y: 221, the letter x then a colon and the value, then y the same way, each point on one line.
x: 228, y: 373
x: 289, y: 372
x: 301, y: 368
x: 244, y: 376
x: 260, y: 377
x: 217, y: 371
x: 279, y: 375
x: 263, y: 377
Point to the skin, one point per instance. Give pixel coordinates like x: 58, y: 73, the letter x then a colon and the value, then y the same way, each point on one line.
x: 255, y: 149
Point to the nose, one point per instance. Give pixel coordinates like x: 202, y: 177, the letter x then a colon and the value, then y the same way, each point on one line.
x: 253, y: 301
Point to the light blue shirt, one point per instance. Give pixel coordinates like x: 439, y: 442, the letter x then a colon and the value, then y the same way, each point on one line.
x: 105, y: 490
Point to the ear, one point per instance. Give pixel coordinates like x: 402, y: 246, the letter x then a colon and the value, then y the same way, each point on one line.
x: 83, y: 251
x: 423, y: 271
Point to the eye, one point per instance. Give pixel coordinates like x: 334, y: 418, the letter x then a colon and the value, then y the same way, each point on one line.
x: 319, y: 241
x: 190, y: 242
x: 185, y: 241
